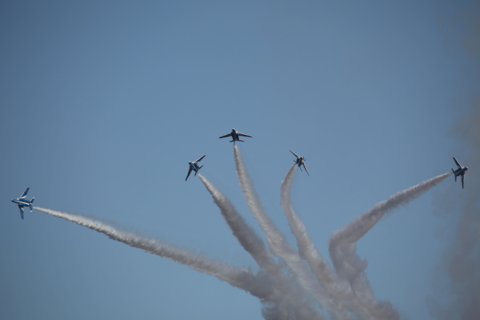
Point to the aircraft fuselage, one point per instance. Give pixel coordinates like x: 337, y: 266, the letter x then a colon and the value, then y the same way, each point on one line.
x: 194, y: 166
x: 23, y: 203
x: 300, y: 161
x: 460, y: 172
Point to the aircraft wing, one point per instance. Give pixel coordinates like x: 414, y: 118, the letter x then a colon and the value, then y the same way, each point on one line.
x: 458, y: 163
x: 200, y: 159
x: 25, y: 193
x: 188, y: 174
x: 21, y: 211
x: 227, y: 135
x: 463, y: 178
x: 305, y: 168
x: 243, y: 134
x: 294, y: 154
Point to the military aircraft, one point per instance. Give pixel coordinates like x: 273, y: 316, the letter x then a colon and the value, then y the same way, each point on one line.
x: 23, y: 202
x: 300, y: 161
x: 194, y: 166
x: 459, y: 172
x: 234, y: 134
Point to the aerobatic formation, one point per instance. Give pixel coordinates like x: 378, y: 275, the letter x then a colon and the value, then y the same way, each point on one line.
x: 291, y: 283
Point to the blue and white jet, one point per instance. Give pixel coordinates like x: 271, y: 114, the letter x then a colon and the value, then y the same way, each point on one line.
x: 194, y: 166
x: 23, y: 202
x: 235, y: 135
x: 300, y: 161
x: 460, y: 171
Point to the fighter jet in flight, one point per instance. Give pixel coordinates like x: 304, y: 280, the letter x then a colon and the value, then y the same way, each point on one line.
x: 300, y: 161
x: 234, y: 134
x: 23, y: 202
x: 459, y: 172
x: 194, y: 166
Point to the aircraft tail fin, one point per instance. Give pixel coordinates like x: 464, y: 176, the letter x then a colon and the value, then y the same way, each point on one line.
x: 196, y: 171
x: 454, y: 175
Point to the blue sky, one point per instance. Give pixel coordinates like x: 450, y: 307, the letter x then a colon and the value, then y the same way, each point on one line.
x: 104, y: 103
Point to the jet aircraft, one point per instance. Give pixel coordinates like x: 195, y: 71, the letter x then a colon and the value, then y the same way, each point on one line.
x: 300, y: 161
x: 234, y: 134
x: 460, y: 171
x: 23, y: 202
x: 194, y: 166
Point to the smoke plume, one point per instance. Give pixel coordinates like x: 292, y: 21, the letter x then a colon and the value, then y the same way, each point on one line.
x: 457, y: 295
x: 288, y: 286
x: 336, y: 286
x: 283, y: 289
x: 281, y: 248
x: 342, y: 247
x: 237, y: 277
x: 458, y: 275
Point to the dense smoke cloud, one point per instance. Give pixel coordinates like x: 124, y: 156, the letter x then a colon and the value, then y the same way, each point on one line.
x: 457, y: 282
x: 459, y: 270
x: 295, y: 284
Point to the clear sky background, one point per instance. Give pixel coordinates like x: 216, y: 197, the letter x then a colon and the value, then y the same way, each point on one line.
x: 103, y: 103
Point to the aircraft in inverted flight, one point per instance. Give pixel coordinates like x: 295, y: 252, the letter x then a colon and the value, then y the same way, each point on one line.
x: 234, y: 134
x: 194, y: 166
x: 460, y: 171
x: 300, y: 161
x: 23, y: 202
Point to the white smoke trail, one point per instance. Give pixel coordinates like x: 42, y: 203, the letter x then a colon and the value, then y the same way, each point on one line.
x: 280, y: 246
x: 305, y: 245
x: 337, y: 287
x: 284, y: 291
x: 237, y: 277
x: 342, y: 246
x: 247, y: 237
x: 339, y: 293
